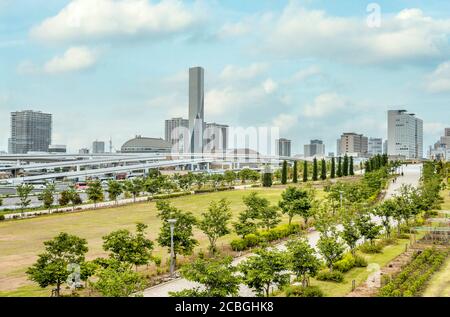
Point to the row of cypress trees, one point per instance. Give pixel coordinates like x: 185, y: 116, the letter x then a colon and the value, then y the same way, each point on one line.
x: 344, y: 167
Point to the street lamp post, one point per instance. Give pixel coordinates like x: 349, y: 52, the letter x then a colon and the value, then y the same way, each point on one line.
x: 172, y: 251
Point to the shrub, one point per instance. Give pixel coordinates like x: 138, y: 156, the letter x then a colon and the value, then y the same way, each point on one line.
x: 332, y: 276
x: 387, y: 241
x: 252, y: 240
x: 239, y: 245
x: 167, y: 196
x: 300, y: 291
x: 345, y: 264
x: 369, y: 248
x: 360, y: 261
x: 2, y: 217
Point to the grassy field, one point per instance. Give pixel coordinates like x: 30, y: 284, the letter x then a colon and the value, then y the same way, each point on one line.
x: 439, y: 285
x: 21, y: 241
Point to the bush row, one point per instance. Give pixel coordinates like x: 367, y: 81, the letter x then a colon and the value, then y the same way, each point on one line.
x: 414, y: 276
x: 167, y: 196
x: 300, y: 291
x: 212, y: 190
x: 330, y: 276
x: 264, y: 236
x: 350, y: 261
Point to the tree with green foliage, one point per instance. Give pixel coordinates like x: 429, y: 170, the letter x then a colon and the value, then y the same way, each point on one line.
x: 385, y: 212
x: 351, y: 167
x: 284, y: 172
x: 117, y: 279
x: 115, y: 189
x: 350, y: 234
x: 315, y: 176
x: 214, y: 222
x: 305, y: 171
x: 323, y: 172
x: 64, y: 198
x: 345, y: 166
x: 295, y: 173
x: 127, y: 247
x: 24, y: 191
x: 51, y: 267
x: 267, y: 179
x: 369, y: 230
x: 134, y: 186
x: 229, y: 177
x: 296, y: 201
x: 48, y: 195
x: 339, y: 169
x: 94, y: 192
x: 264, y: 269
x: 330, y: 247
x: 333, y: 168
x: 267, y: 214
x: 302, y: 259
x: 183, y: 236
x: 216, y: 276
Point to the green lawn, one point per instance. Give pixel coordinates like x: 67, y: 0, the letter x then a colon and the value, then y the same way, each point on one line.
x: 21, y: 241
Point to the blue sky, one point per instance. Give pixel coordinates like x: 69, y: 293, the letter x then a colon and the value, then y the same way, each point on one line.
x: 315, y: 68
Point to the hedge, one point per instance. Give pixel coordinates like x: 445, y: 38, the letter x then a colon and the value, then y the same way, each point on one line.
x: 350, y: 261
x: 331, y: 276
x: 411, y: 280
x: 300, y: 291
x: 167, y: 196
x: 212, y: 190
x: 264, y: 236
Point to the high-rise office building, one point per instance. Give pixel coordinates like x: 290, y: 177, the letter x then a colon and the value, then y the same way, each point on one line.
x: 196, y: 108
x: 216, y: 138
x: 314, y: 148
x: 98, y: 147
x: 31, y: 131
x: 83, y: 151
x: 405, y: 134
x: 177, y: 134
x: 375, y: 146
x: 353, y: 144
x: 283, y: 147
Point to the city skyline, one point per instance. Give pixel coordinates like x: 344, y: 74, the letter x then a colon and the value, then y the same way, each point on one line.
x: 98, y: 85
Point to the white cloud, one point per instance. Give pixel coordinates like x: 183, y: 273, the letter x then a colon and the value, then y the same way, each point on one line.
x: 74, y: 59
x: 234, y: 30
x: 439, y: 80
x: 234, y: 73
x: 325, y: 105
x: 409, y: 36
x: 270, y: 86
x: 95, y: 19
x: 285, y: 121
x: 307, y: 73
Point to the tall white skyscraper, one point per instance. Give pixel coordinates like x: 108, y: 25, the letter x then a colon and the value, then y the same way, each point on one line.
x: 405, y: 134
x: 196, y: 108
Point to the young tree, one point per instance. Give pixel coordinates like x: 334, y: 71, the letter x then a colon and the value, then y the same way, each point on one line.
x: 126, y: 247
x: 48, y: 195
x: 302, y: 259
x: 267, y: 179
x: 295, y: 173
x: 305, y: 171
x: 115, y: 189
x: 368, y: 229
x: 330, y: 247
x: 183, y: 239
x: 51, y: 267
x: 94, y: 192
x: 351, y: 167
x: 229, y: 177
x: 333, y: 168
x: 323, y: 173
x: 350, y: 234
x: 339, y: 169
x: 214, y: 222
x: 260, y: 207
x: 284, y: 173
x: 265, y: 268
x: 345, y: 168
x: 134, y: 186
x: 386, y: 211
x: 295, y: 201
x: 315, y: 176
x: 217, y: 277
x: 64, y: 198
x: 117, y: 279
x: 23, y: 191
x: 75, y: 198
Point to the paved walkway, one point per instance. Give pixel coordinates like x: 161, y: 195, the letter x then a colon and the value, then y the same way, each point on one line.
x: 411, y: 177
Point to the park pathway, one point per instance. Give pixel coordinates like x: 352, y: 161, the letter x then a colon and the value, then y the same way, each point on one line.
x: 411, y: 177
